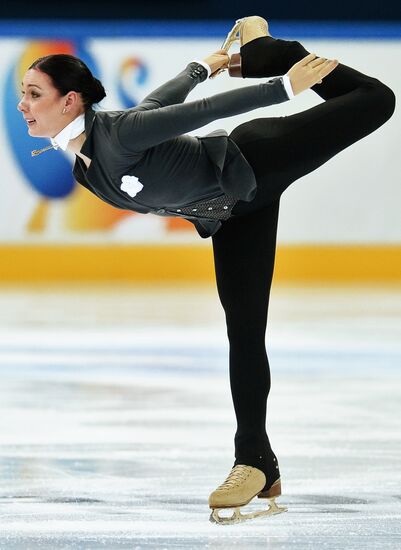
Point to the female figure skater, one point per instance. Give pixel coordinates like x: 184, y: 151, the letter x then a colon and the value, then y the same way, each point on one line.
x: 228, y: 186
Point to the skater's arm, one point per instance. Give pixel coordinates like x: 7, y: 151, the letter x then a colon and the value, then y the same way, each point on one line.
x: 139, y: 130
x: 177, y: 89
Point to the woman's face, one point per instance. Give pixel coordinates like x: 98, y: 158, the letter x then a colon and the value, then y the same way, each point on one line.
x: 42, y: 105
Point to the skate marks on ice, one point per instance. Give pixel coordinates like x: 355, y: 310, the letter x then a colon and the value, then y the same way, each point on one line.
x: 113, y: 435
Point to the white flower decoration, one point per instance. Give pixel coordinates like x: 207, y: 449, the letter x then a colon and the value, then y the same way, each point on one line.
x: 131, y: 185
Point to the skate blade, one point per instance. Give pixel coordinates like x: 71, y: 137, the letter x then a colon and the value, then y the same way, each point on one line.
x: 232, y: 36
x: 238, y: 517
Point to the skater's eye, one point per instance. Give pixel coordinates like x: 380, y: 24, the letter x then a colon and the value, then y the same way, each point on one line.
x: 33, y: 94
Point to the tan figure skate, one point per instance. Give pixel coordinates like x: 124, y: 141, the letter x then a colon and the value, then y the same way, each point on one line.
x: 244, y: 30
x: 240, y: 487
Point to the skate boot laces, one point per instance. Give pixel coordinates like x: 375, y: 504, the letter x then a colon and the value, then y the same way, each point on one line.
x: 238, y: 475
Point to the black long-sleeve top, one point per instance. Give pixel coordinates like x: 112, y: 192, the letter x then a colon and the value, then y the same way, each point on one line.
x: 141, y: 159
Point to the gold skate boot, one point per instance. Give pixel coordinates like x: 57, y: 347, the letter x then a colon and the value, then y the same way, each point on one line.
x: 244, y: 30
x: 240, y: 487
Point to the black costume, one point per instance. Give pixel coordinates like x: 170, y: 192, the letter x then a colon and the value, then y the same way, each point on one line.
x: 279, y: 151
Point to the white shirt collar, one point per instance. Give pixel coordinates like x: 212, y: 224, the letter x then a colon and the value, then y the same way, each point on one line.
x: 71, y: 131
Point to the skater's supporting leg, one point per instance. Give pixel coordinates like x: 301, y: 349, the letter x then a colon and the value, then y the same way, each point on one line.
x: 244, y: 252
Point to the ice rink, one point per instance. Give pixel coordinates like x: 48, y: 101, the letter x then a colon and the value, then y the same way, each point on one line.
x: 116, y: 418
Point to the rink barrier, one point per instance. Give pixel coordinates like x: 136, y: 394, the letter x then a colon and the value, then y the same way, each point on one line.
x: 172, y: 263
x: 131, y: 28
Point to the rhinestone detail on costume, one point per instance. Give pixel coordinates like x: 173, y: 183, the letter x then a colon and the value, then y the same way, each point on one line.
x: 215, y: 209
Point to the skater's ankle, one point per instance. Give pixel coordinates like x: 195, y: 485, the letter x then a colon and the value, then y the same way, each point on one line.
x: 267, y: 56
x: 256, y: 43
x: 267, y: 463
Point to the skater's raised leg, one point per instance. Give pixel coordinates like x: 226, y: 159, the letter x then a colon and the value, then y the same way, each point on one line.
x: 284, y: 149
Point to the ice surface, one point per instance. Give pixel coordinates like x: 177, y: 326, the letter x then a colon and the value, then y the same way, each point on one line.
x: 116, y: 419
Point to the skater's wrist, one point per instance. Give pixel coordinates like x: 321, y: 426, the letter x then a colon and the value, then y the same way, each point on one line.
x: 287, y: 86
x: 205, y: 65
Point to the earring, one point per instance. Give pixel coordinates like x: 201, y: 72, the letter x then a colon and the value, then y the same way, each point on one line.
x: 63, y: 111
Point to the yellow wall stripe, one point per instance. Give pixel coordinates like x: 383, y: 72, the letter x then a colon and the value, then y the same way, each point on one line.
x: 144, y: 263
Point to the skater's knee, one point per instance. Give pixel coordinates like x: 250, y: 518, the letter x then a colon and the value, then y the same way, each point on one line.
x: 385, y: 100
x: 246, y: 329
x: 388, y: 101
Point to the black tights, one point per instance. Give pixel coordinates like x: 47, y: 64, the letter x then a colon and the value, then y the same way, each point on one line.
x: 280, y: 151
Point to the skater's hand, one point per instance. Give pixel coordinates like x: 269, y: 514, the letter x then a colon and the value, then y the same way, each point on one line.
x: 310, y: 71
x: 217, y: 60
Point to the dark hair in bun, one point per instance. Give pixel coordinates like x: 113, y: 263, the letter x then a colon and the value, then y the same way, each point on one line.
x: 70, y: 73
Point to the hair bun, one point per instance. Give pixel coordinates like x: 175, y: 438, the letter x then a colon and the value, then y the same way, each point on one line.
x: 98, y: 91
